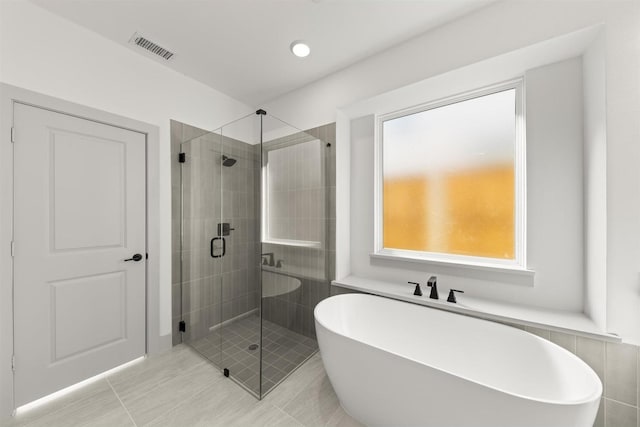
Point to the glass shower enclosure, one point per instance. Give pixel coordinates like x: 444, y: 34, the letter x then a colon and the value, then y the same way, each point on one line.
x: 253, y: 239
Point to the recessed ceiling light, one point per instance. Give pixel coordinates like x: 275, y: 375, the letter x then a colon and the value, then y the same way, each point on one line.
x: 300, y: 48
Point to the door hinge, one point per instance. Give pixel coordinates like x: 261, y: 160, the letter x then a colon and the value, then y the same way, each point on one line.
x: 182, y: 157
x: 13, y: 248
x: 182, y: 327
x: 13, y: 362
x: 13, y: 134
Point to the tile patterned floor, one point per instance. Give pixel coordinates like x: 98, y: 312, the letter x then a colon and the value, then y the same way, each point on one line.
x: 179, y: 388
x: 229, y: 347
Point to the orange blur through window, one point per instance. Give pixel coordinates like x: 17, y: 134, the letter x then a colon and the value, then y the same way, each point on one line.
x: 449, y: 178
x: 475, y: 215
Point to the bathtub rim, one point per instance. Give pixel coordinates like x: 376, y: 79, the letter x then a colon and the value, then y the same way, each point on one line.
x: 591, y: 398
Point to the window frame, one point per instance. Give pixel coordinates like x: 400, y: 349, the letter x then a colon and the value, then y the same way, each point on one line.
x: 519, y: 261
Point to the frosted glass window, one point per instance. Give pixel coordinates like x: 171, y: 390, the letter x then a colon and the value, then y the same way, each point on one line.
x: 448, y: 184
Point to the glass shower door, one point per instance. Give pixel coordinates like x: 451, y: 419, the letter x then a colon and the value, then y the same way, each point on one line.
x: 220, y: 240
x: 239, y: 238
x: 201, y: 281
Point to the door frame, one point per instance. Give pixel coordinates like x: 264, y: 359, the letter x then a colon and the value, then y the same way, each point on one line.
x: 9, y: 95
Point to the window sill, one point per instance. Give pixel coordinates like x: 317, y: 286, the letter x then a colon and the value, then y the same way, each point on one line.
x: 512, y: 314
x: 473, y: 269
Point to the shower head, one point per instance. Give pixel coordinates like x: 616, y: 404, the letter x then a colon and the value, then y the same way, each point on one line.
x: 228, y: 161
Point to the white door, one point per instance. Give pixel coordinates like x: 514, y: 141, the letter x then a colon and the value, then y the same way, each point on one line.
x: 79, y: 214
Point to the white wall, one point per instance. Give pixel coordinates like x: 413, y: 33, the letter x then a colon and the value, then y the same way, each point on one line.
x: 622, y: 58
x: 555, y: 186
x: 595, y: 181
x: 487, y: 33
x: 44, y: 53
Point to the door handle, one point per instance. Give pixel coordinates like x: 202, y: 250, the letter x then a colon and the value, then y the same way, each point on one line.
x: 224, y: 247
x: 136, y: 257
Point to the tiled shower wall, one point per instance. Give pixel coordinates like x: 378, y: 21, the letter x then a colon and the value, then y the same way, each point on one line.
x: 306, y: 198
x: 617, y: 365
x: 296, y: 190
x: 214, y: 289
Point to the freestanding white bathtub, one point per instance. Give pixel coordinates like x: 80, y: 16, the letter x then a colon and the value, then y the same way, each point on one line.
x: 393, y: 363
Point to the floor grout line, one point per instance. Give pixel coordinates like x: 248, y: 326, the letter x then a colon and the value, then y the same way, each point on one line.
x: 311, y: 381
x: 288, y: 414
x: 121, y: 402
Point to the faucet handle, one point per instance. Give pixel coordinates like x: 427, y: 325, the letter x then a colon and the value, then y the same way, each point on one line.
x: 269, y: 260
x: 279, y: 263
x: 417, y: 291
x: 452, y: 296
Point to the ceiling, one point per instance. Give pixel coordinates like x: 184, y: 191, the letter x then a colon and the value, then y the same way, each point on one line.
x: 241, y: 47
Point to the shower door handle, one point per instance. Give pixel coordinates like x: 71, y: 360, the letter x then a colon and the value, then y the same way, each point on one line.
x: 224, y: 247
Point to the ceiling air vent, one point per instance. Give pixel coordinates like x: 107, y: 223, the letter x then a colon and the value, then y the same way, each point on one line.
x: 144, y: 43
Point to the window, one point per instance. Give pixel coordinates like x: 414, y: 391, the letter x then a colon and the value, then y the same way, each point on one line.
x: 451, y: 180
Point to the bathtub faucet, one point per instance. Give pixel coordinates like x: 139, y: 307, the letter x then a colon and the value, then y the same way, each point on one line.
x: 434, y: 287
x: 270, y: 260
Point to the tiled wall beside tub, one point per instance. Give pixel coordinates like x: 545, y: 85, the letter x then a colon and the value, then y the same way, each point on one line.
x: 617, y: 365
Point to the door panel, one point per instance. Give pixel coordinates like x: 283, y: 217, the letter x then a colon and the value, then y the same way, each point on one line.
x: 100, y: 301
x: 79, y: 213
x: 99, y: 221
